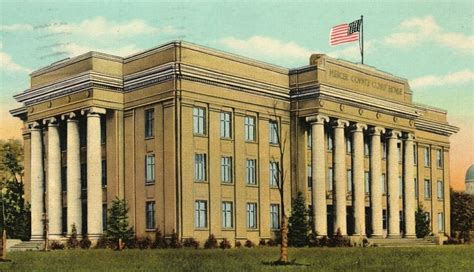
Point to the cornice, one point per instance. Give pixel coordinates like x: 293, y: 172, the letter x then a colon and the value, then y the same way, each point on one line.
x: 436, y: 127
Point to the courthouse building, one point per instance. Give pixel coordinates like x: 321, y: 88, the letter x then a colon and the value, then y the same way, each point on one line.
x: 189, y: 136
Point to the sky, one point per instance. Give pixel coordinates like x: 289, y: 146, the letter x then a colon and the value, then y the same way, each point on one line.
x: 430, y: 43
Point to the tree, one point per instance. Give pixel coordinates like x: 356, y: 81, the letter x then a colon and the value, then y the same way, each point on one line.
x: 298, y: 223
x: 422, y: 220
x: 117, y: 222
x: 462, y: 215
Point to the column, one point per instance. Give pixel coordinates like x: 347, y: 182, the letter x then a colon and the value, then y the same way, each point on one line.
x: 54, y: 205
x: 73, y: 177
x: 358, y: 177
x: 94, y: 173
x: 375, y: 186
x: 393, y: 186
x: 318, y: 168
x: 409, y: 187
x: 36, y: 179
x: 340, y: 176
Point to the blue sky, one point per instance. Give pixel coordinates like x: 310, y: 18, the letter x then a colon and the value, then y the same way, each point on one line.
x: 430, y: 43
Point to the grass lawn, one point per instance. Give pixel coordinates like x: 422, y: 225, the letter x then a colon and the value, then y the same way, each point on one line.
x: 443, y: 258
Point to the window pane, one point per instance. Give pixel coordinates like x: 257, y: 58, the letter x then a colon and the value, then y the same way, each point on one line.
x: 330, y: 179
x: 309, y: 175
x: 367, y: 182
x: 149, y: 122
x: 349, y: 181
x: 274, y: 216
x: 150, y: 168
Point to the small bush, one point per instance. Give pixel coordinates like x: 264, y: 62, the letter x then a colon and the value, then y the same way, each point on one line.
x: 313, y: 240
x: 159, y: 239
x: 103, y: 242
x: 225, y: 244
x: 211, y: 242
x: 191, y: 242
x: 55, y: 245
x: 271, y: 243
x: 339, y: 241
x: 365, y: 242
x: 249, y: 244
x: 85, y: 243
x: 174, y: 241
x: 72, y: 241
x: 453, y: 241
x: 262, y: 242
x: 238, y: 244
x: 324, y: 241
x: 143, y: 243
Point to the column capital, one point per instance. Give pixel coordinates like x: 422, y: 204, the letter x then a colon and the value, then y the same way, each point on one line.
x: 393, y: 134
x: 69, y: 116
x: 93, y: 110
x: 36, y: 125
x: 51, y: 122
x: 358, y: 127
x: 376, y: 130
x: 318, y: 119
x: 407, y: 136
x: 339, y: 123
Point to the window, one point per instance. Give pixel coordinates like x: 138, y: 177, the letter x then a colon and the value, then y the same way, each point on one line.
x: 366, y: 148
x: 427, y: 156
x: 273, y: 133
x: 103, y: 130
x: 200, y: 214
x: 439, y: 158
x: 274, y: 174
x: 349, y: 181
x: 427, y: 188
x: 150, y: 168
x: 199, y: 120
x: 200, y: 167
x: 400, y: 187
x: 104, y: 173
x: 384, y: 150
x: 367, y: 182
x: 274, y: 216
x: 384, y: 184
x: 226, y: 125
x: 310, y: 176
x: 251, y: 215
x: 416, y: 188
x: 249, y: 122
x: 440, y: 222
x: 150, y: 214
x: 149, y: 122
x: 227, y: 215
x: 251, y: 172
x: 330, y: 142
x: 64, y: 221
x: 104, y: 217
x: 64, y: 179
x: 440, y: 189
x: 415, y: 154
x: 384, y: 219
x: 330, y: 178
x: 309, y: 142
x: 226, y: 169
x: 83, y: 176
x: 348, y: 145
x: 399, y: 149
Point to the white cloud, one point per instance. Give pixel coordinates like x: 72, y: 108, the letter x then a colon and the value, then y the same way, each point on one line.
x: 353, y: 52
x: 454, y: 78
x: 75, y: 49
x: 7, y: 63
x: 16, y: 27
x: 416, y: 31
x: 267, y: 47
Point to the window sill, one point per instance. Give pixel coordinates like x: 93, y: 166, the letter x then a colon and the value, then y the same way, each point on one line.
x: 227, y: 183
x: 150, y: 230
x: 201, y: 229
x: 149, y: 138
x: 228, y: 229
x: 148, y: 183
x: 272, y: 229
x: 251, y: 142
x: 200, y: 135
x: 252, y: 230
x: 226, y: 139
x: 201, y: 181
x: 273, y: 144
x: 273, y: 187
x: 252, y: 185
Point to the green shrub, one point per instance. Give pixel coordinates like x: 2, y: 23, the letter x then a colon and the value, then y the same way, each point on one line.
x: 422, y: 221
x: 249, y: 244
x: 238, y: 244
x: 313, y: 240
x: 298, y: 223
x: 211, y: 242
x: 117, y: 223
x: 103, y: 242
x: 55, y: 245
x: 143, y: 243
x: 271, y: 243
x: 174, y: 241
x: 72, y: 241
x: 339, y: 241
x: 85, y: 243
x: 225, y: 244
x: 159, y: 239
x: 262, y: 242
x: 191, y: 242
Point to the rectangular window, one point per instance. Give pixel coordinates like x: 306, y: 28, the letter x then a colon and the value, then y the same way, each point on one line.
x: 83, y: 176
x: 384, y: 184
x: 149, y: 122
x: 103, y: 130
x: 226, y: 125
x: 104, y: 217
x: 330, y: 141
x: 64, y: 178
x: 427, y: 156
x: 249, y: 122
x: 200, y: 214
x: 150, y: 168
x: 384, y: 150
x: 400, y: 187
x: 440, y: 189
x: 309, y: 140
x: 150, y: 214
x: 348, y: 145
x: 64, y: 221
x: 416, y: 188
x: 274, y: 216
x: 199, y: 120
x: 440, y: 222
x: 427, y: 188
x: 349, y: 180
x: 367, y: 181
x: 251, y: 171
x: 384, y: 219
x: 200, y: 167
x: 227, y: 215
x: 415, y: 154
x: 309, y: 171
x: 330, y: 179
x: 104, y: 173
x: 274, y: 174
x: 273, y: 132
x: 366, y: 148
x: 439, y: 158
x: 399, y: 149
x: 251, y: 215
x: 226, y: 169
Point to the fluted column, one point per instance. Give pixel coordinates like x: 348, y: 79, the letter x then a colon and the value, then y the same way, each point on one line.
x: 375, y: 186
x: 36, y: 181
x: 340, y: 176
x: 73, y: 178
x: 94, y: 172
x: 393, y: 187
x: 54, y: 205
x: 409, y: 187
x: 358, y: 176
x: 318, y: 168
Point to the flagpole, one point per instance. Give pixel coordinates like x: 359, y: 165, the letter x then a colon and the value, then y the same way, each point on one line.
x: 362, y: 34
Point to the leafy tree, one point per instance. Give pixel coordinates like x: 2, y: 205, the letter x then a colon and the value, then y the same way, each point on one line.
x: 422, y: 222
x: 298, y: 223
x: 462, y: 214
x: 117, y: 222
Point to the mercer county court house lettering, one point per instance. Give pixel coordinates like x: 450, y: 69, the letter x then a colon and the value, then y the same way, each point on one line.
x: 188, y: 136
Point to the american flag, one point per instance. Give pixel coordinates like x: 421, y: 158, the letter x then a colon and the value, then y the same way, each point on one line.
x: 345, y: 33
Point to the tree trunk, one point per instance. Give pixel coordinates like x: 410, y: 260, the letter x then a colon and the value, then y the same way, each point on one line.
x: 284, y: 240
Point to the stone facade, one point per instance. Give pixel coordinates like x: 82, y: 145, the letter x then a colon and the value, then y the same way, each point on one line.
x: 186, y: 134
